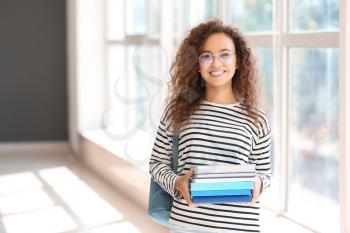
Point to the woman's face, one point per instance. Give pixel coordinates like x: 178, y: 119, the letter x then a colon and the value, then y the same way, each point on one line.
x: 217, y: 61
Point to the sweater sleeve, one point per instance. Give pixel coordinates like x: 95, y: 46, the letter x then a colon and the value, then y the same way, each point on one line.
x: 161, y: 158
x: 260, y: 155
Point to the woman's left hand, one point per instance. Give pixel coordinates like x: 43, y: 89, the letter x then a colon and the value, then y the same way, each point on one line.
x: 255, y: 192
x: 256, y: 189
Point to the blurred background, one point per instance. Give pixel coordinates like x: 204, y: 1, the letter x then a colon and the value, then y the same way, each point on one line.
x: 82, y: 85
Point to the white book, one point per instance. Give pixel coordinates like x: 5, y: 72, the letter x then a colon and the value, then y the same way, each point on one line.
x: 224, y: 175
x: 224, y: 169
x: 222, y: 180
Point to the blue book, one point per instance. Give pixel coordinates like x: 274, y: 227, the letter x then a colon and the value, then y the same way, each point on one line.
x: 221, y: 192
x: 221, y: 186
x: 222, y: 199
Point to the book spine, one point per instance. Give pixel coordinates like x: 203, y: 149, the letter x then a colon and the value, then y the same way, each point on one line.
x: 224, y: 169
x: 221, y: 180
x: 224, y: 175
x: 222, y: 199
x: 221, y: 192
x: 221, y: 186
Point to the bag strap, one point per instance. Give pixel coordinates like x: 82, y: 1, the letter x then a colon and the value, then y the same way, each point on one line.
x: 175, y: 149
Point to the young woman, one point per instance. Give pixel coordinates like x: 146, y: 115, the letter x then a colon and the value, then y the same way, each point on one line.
x: 213, y: 102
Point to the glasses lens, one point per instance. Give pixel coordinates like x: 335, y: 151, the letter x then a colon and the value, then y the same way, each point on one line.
x: 226, y: 57
x: 205, y: 59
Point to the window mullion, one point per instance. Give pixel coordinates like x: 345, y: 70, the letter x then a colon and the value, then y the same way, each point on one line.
x: 280, y: 99
x: 344, y: 116
x: 312, y: 39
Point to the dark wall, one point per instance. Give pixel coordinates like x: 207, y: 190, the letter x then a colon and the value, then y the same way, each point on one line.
x: 33, y: 85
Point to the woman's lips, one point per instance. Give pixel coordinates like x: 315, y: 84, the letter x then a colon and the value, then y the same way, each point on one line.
x: 217, y: 73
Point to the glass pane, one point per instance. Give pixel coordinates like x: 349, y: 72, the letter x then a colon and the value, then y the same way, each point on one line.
x: 175, y: 14
x: 154, y: 17
x: 135, y: 17
x: 313, y: 137
x: 136, y: 74
x: 122, y: 116
x: 313, y: 15
x: 264, y: 57
x: 250, y: 16
x: 150, y: 68
x: 198, y: 11
x: 117, y: 115
x: 115, y: 19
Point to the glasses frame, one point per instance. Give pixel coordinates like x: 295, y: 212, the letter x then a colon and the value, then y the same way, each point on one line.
x: 225, y: 61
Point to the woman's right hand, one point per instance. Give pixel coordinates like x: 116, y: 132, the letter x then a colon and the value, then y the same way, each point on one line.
x: 182, y: 184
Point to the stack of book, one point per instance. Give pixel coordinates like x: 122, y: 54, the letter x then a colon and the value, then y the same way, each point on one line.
x: 222, y: 184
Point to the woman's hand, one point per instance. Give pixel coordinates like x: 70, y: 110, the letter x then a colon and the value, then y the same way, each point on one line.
x: 256, y: 189
x: 255, y: 192
x: 182, y: 184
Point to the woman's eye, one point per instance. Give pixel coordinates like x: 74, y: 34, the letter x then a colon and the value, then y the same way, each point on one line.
x: 225, y: 55
x: 205, y: 56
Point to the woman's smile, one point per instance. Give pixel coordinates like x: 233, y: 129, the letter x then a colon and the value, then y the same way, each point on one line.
x: 217, y: 74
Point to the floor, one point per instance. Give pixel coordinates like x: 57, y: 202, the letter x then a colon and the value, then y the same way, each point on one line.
x: 50, y: 191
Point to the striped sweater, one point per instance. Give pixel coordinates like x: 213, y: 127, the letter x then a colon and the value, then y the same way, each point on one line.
x: 215, y: 134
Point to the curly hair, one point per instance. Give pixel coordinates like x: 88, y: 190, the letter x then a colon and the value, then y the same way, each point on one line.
x: 186, y: 89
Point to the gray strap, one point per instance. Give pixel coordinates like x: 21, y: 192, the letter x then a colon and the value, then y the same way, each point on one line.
x: 175, y: 149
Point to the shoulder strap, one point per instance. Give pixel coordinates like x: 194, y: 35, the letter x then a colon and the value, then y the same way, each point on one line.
x: 175, y: 149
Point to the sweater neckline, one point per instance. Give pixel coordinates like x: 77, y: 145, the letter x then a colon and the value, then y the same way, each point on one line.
x: 222, y: 105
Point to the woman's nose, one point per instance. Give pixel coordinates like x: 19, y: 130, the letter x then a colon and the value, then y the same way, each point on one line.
x: 216, y: 61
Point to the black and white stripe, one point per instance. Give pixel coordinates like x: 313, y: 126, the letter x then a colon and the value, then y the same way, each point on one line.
x: 215, y: 134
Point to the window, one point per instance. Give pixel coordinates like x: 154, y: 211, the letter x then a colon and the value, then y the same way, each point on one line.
x: 313, y: 15
x: 136, y: 17
x: 197, y: 11
x: 136, y: 71
x: 313, y: 135
x: 312, y: 79
x: 240, y: 13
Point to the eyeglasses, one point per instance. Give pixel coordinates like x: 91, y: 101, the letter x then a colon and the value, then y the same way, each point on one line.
x: 207, y: 58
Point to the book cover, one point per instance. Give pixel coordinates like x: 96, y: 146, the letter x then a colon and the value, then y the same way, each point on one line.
x: 221, y: 192
x: 223, y: 175
x: 224, y: 169
x: 221, y: 186
x: 221, y: 199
